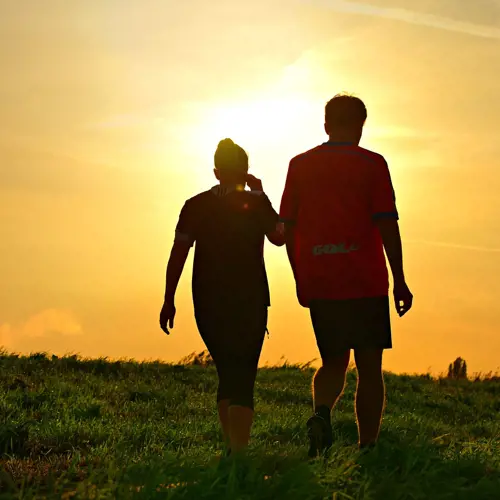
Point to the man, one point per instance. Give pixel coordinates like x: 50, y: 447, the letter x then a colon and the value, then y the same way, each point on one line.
x: 230, y: 289
x: 339, y: 211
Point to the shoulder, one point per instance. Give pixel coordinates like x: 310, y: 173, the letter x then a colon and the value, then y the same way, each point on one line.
x: 257, y: 195
x: 199, y: 198
x: 196, y: 205
x: 255, y: 198
x: 253, y: 201
x: 305, y: 157
x: 370, y: 156
x: 260, y: 199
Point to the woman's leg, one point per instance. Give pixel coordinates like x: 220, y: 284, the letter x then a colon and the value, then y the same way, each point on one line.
x: 235, y: 398
x: 240, y: 426
x: 242, y: 370
x: 234, y: 341
x: 223, y: 411
x: 209, y: 323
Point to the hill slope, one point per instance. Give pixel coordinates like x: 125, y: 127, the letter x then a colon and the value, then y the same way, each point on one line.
x: 72, y: 428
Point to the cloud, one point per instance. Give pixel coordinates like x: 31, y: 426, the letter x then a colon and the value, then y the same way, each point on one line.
x: 400, y: 131
x: 119, y: 121
x: 5, y: 335
x: 128, y: 120
x: 457, y: 246
x: 45, y: 323
x: 51, y: 321
x: 31, y: 171
x: 408, y: 16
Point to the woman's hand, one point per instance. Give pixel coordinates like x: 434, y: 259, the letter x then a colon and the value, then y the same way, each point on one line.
x: 253, y: 183
x: 167, y: 316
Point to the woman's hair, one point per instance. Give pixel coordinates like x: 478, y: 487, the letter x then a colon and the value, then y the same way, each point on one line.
x: 230, y: 157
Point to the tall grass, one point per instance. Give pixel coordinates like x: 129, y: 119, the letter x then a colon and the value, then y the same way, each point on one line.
x: 82, y: 428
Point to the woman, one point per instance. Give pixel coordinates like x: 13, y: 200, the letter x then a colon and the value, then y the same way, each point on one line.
x: 230, y: 289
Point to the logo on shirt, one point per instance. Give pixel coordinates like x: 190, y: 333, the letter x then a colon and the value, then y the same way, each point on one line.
x: 334, y: 249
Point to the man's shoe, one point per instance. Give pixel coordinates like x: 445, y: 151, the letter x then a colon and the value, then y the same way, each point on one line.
x: 320, y: 435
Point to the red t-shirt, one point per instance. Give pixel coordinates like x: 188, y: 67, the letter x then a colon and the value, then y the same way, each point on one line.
x: 332, y: 195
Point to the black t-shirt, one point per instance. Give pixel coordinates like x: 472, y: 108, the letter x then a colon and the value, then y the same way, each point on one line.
x: 229, y: 230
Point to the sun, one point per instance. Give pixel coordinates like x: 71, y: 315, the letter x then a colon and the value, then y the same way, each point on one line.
x: 254, y: 124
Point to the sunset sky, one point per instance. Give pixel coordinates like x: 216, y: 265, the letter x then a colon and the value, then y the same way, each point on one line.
x: 110, y: 111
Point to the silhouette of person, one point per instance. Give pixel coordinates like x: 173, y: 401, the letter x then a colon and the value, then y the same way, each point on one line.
x: 230, y: 289
x: 340, y: 214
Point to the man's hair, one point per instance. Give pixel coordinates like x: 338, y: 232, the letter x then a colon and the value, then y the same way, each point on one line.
x: 230, y: 157
x: 345, y: 110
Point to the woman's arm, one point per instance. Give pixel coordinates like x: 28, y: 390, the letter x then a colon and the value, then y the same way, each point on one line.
x: 184, y: 239
x: 277, y: 237
x: 175, y: 266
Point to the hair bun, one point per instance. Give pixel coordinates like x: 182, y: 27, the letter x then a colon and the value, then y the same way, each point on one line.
x: 230, y: 156
x: 226, y: 143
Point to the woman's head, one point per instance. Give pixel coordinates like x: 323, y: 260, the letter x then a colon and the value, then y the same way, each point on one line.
x: 231, y: 162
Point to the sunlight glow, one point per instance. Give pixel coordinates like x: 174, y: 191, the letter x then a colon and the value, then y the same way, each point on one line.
x: 255, y: 124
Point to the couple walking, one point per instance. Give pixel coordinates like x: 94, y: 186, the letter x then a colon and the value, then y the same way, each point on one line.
x: 339, y: 214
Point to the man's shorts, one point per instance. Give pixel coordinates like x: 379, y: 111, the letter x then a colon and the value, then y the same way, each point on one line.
x: 341, y: 325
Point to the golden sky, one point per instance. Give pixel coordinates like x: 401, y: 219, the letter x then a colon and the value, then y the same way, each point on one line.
x: 110, y: 111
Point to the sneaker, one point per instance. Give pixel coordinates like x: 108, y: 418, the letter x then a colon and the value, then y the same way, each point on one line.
x: 320, y: 435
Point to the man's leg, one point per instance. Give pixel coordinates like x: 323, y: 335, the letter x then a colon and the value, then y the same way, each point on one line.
x: 370, y: 395
x: 328, y: 385
x: 329, y: 381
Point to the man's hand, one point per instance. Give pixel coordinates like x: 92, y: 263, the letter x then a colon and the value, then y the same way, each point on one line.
x: 301, y: 300
x: 167, y: 316
x: 277, y: 237
x: 253, y: 183
x: 402, y: 297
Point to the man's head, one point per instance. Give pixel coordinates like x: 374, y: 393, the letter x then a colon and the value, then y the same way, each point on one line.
x: 345, y: 116
x: 231, y: 163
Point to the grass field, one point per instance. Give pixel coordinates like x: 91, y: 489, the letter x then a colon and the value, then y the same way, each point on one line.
x: 72, y: 428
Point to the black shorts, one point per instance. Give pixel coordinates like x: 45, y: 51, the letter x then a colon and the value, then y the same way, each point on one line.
x: 341, y: 325
x: 232, y: 332
x: 234, y: 338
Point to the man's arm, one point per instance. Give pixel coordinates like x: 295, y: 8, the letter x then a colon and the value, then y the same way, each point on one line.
x: 391, y: 238
x: 290, y: 235
x: 385, y: 216
x: 288, y: 214
x: 290, y: 246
